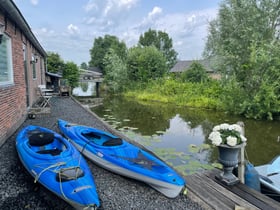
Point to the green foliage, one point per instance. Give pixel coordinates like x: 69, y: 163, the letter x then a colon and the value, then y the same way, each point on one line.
x: 196, y: 73
x: 233, y: 96
x: 116, y: 76
x: 244, y: 41
x: 239, y: 25
x: 84, y: 65
x: 84, y: 86
x: 54, y: 62
x: 101, y: 47
x: 265, y: 104
x: 168, y: 90
x: 71, y: 73
x: 145, y: 63
x: 162, y: 42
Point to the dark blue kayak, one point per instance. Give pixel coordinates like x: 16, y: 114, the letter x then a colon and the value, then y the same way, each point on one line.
x: 57, y: 165
x: 124, y: 158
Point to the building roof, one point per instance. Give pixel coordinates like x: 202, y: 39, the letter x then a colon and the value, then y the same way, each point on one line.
x: 181, y: 66
x: 11, y: 11
x: 53, y: 74
x: 95, y: 69
x: 90, y: 73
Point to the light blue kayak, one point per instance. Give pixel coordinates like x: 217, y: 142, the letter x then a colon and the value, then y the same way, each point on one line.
x: 270, y: 175
x: 124, y: 158
x: 57, y: 165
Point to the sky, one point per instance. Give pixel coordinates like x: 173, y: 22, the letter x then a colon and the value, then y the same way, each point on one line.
x: 69, y: 27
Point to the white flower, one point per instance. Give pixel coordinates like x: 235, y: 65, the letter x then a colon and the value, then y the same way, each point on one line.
x: 243, y: 138
x: 216, y: 128
x: 231, y: 141
x: 227, y: 134
x: 216, y: 138
x: 236, y: 127
x: 224, y: 126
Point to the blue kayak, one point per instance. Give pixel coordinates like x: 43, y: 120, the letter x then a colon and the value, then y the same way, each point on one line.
x: 124, y: 158
x: 57, y: 165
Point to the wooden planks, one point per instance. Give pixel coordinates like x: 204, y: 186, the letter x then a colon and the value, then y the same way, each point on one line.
x: 212, y: 194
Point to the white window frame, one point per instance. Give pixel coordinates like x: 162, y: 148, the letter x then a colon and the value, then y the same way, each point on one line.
x: 9, y: 64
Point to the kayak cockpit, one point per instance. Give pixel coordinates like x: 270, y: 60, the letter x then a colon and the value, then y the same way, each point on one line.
x: 45, y: 143
x: 102, y: 140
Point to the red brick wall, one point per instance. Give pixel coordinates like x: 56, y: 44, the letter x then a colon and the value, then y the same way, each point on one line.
x: 13, y: 106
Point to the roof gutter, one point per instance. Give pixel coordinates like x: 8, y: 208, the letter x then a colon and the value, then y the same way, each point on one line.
x: 11, y: 11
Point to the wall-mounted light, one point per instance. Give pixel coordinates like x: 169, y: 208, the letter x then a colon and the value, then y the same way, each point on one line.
x: 2, y: 29
x: 34, y: 59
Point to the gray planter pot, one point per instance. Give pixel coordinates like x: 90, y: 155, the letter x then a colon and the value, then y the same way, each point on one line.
x: 228, y: 157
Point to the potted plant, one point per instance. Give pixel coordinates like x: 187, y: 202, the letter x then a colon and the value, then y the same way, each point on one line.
x: 229, y: 139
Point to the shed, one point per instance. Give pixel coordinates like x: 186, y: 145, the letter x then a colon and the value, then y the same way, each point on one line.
x: 53, y: 81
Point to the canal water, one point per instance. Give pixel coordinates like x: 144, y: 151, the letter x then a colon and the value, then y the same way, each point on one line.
x: 180, y: 135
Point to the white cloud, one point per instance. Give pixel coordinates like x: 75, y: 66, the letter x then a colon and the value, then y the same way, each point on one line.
x: 118, y: 17
x: 107, y: 15
x: 187, y: 30
x: 34, y: 2
x: 155, y: 12
x: 72, y: 29
x: 108, y: 7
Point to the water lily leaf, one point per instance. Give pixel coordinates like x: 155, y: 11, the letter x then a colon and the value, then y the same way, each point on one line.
x: 217, y: 165
x: 198, y: 149
x: 160, y: 132
x: 193, y: 148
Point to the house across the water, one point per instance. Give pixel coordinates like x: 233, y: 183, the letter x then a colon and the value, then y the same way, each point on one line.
x: 184, y: 65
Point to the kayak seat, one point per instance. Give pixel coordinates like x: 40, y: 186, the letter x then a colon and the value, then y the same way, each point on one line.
x: 91, y: 135
x: 113, y: 142
x: 40, y: 138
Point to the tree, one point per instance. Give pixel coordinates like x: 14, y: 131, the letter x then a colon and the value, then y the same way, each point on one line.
x: 240, y: 25
x: 116, y: 76
x: 71, y: 73
x: 144, y: 63
x: 162, y: 42
x: 84, y: 65
x: 244, y: 40
x: 100, y: 48
x: 54, y: 62
x: 195, y: 73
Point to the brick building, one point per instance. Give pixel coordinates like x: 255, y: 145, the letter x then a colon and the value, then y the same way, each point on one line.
x: 22, y: 68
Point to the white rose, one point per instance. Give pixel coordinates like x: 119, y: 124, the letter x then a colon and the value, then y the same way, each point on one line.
x: 231, y: 141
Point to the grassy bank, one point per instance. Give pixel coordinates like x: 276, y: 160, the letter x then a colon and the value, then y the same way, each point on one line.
x: 200, y: 95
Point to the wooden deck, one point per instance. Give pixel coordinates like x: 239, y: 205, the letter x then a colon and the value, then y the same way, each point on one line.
x: 205, y: 189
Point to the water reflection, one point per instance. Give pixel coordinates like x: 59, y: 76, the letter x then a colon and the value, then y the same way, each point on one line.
x: 84, y: 89
x: 180, y: 134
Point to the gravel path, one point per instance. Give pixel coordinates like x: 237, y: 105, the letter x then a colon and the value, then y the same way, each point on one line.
x: 18, y: 190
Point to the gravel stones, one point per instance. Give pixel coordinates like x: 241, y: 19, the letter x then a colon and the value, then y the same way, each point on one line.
x: 18, y: 190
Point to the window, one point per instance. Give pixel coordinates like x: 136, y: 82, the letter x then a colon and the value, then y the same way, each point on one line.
x: 6, y: 70
x: 33, y: 62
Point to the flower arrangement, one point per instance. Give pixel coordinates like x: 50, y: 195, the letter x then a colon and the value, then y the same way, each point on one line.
x: 227, y: 134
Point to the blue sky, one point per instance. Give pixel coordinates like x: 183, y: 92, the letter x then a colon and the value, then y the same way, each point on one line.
x: 69, y: 27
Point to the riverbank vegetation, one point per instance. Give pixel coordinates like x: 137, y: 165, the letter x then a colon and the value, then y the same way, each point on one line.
x: 243, y: 45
